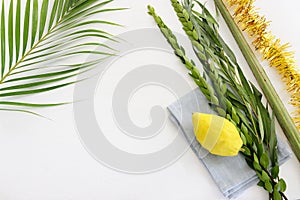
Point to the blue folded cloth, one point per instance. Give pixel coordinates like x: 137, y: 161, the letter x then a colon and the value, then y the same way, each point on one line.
x: 231, y: 174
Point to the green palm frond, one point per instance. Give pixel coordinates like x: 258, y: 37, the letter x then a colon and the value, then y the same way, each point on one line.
x: 45, y: 34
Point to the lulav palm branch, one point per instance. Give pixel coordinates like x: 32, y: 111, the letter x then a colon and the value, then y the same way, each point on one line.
x: 31, y: 41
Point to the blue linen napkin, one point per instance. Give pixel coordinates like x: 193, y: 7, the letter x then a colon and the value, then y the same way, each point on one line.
x: 231, y: 174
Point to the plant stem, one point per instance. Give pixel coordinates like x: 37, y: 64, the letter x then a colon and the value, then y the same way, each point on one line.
x: 274, y: 182
x: 283, y: 117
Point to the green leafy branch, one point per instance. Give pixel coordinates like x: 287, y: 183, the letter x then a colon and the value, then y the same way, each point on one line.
x: 230, y: 94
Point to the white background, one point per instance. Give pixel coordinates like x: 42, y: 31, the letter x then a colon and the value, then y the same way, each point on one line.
x: 44, y: 159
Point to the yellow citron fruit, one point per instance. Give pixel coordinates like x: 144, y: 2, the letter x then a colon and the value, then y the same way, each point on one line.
x: 216, y: 134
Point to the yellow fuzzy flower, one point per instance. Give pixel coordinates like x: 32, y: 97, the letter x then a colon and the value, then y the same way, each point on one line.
x: 246, y: 15
x: 216, y: 134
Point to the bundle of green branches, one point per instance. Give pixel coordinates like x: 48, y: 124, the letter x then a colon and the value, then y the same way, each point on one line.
x: 229, y: 93
x: 34, y: 40
x: 285, y: 121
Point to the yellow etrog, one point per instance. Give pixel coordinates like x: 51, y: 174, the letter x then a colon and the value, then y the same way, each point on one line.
x: 216, y: 134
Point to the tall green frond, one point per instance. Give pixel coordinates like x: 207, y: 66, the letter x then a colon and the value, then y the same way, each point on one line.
x: 52, y: 31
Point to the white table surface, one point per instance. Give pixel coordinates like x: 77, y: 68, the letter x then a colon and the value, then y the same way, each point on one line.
x: 45, y: 159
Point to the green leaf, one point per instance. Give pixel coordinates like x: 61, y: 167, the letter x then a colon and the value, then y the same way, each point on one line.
x: 53, y: 14
x: 20, y: 110
x: 277, y: 187
x: 249, y: 163
x: 88, y: 65
x: 11, y: 32
x: 275, y: 171
x: 34, y: 21
x: 65, y: 7
x: 261, y: 183
x: 256, y: 93
x: 268, y: 187
x: 17, y: 28
x: 95, y: 22
x: 243, y: 138
x: 26, y: 25
x: 32, y: 105
x: 260, y: 125
x: 45, y: 75
x: 35, y: 91
x: 249, y: 139
x: 105, y: 10
x: 209, y: 17
x: 282, y: 185
x: 256, y: 166
x: 3, y: 53
x: 245, y: 84
x: 85, y: 9
x: 273, y: 142
x: 227, y: 50
x: 258, y: 174
x: 43, y: 17
x: 264, y: 176
x: 276, y: 195
x: 247, y: 151
x: 255, y: 158
x: 38, y: 83
x: 59, y: 10
x: 260, y: 149
x: 266, y: 120
x: 264, y: 160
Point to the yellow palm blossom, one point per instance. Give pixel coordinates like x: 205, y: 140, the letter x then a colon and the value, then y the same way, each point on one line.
x: 271, y: 48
